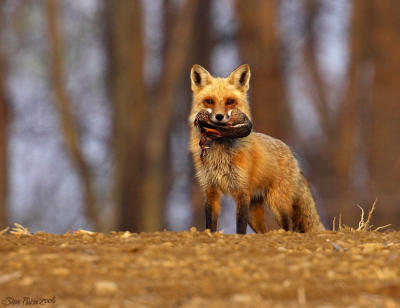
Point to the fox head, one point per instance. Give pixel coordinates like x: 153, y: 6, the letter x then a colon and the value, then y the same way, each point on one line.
x: 219, y: 96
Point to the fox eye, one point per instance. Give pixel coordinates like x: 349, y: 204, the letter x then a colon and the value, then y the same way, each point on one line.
x: 209, y: 101
x: 230, y: 101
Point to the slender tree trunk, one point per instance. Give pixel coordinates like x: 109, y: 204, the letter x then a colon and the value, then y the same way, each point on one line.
x: 371, y: 95
x: 156, y: 169
x: 319, y: 91
x: 201, y: 49
x: 349, y: 128
x: 384, y: 107
x: 340, y: 137
x: 130, y: 104
x: 4, y: 121
x: 69, y: 127
x: 261, y: 47
x: 332, y: 183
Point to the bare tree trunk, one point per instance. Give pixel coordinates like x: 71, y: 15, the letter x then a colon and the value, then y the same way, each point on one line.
x: 69, y: 127
x: 260, y: 46
x: 348, y: 128
x: 176, y: 57
x: 384, y: 116
x: 312, y: 10
x: 340, y: 133
x: 4, y: 119
x: 202, y: 46
x: 331, y: 183
x: 371, y: 94
x: 130, y: 105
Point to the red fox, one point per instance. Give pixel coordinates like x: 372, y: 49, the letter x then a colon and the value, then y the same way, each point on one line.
x: 255, y: 170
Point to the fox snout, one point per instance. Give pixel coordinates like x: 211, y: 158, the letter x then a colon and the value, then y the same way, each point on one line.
x: 220, y: 117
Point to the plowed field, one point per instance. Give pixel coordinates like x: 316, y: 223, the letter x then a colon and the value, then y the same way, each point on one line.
x: 200, y: 269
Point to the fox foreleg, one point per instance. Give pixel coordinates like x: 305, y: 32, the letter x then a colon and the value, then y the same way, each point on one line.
x: 212, y: 209
x: 242, y: 212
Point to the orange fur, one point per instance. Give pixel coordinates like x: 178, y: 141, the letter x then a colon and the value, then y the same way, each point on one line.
x: 255, y: 170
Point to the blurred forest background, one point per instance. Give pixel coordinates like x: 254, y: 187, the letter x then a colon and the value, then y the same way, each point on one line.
x: 95, y: 94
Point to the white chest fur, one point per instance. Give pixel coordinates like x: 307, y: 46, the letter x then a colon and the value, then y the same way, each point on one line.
x: 218, y: 170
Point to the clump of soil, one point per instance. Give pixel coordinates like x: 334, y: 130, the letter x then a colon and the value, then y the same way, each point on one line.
x: 201, y: 269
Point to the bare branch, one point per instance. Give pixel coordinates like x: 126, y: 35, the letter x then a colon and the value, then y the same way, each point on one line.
x: 69, y: 127
x: 125, y: 46
x: 4, y: 122
x: 311, y: 60
x: 176, y: 55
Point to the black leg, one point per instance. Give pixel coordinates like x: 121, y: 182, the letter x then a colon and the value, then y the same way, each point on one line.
x: 211, y: 217
x: 212, y: 208
x: 285, y: 222
x: 256, y: 214
x: 242, y: 214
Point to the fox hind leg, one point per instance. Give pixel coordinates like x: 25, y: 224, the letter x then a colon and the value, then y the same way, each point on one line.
x: 256, y: 214
x: 281, y: 207
x: 305, y: 215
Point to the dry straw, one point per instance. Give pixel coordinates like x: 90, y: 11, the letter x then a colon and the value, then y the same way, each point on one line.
x: 363, y: 225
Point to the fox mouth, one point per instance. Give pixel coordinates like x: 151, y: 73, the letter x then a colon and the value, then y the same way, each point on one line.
x: 220, y: 123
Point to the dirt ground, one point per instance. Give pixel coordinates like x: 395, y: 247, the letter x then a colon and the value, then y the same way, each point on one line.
x: 200, y: 269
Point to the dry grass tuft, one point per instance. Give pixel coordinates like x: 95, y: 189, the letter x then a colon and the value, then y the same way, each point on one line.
x: 19, y: 230
x: 363, y: 225
x: 82, y: 231
x: 4, y: 230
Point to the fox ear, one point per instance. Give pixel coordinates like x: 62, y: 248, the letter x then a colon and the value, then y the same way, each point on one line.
x: 199, y: 76
x: 240, y: 77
